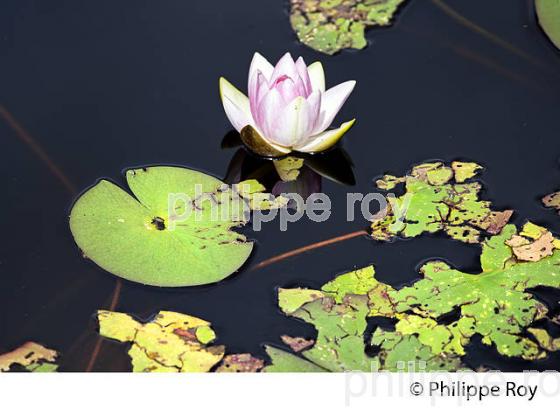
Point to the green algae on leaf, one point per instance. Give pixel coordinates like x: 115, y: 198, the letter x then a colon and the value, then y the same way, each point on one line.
x: 32, y: 356
x: 176, y: 231
x: 329, y: 26
x: 437, y: 199
x: 548, y: 12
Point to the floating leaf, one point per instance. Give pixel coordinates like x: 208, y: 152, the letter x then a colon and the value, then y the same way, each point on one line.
x: 552, y: 201
x: 288, y: 168
x: 495, y: 304
x: 32, y: 356
x: 407, y: 353
x: 176, y: 232
x: 171, y: 342
x: 283, y: 361
x: 544, y: 339
x: 464, y: 170
x: 548, y: 12
x: 297, y: 344
x: 437, y: 199
x: 532, y: 244
x: 240, y: 363
x: 339, y: 317
x: 329, y: 26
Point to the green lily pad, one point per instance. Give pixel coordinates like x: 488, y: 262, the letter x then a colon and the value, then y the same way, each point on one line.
x: 283, y: 362
x: 548, y: 12
x: 329, y: 26
x: 192, y: 243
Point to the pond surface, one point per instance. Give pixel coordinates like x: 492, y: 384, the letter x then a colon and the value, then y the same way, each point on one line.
x: 102, y: 87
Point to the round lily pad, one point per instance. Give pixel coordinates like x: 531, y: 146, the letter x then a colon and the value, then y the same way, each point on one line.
x: 548, y: 12
x: 134, y: 238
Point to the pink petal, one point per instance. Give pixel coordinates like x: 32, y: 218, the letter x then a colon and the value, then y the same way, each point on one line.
x: 267, y: 112
x: 333, y: 100
x: 284, y: 67
x: 304, y: 75
x: 257, y: 93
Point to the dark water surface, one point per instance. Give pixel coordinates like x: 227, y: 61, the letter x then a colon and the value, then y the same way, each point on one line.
x: 104, y: 85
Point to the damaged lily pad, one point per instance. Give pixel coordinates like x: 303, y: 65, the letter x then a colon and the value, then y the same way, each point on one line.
x: 176, y: 231
x: 173, y: 342
x: 31, y: 356
x: 329, y: 26
x: 552, y: 201
x: 496, y: 304
x: 438, y: 199
x: 340, y: 318
x: 240, y: 363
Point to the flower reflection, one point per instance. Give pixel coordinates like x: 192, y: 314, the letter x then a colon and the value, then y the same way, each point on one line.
x: 301, y: 174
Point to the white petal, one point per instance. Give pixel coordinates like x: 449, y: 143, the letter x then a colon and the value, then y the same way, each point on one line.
x: 259, y: 63
x: 317, y: 76
x: 292, y: 123
x: 236, y: 105
x: 285, y: 66
x: 304, y: 75
x: 326, y: 139
x: 333, y: 100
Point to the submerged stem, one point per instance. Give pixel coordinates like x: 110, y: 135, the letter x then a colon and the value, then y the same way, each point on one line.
x: 307, y: 248
x: 98, y: 344
x: 441, y: 4
x: 36, y: 148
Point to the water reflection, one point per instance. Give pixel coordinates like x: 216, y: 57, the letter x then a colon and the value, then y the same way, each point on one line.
x: 296, y: 173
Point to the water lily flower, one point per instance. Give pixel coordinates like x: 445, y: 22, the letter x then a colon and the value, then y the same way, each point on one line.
x: 288, y: 108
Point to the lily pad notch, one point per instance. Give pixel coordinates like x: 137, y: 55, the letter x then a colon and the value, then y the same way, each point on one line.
x: 143, y: 238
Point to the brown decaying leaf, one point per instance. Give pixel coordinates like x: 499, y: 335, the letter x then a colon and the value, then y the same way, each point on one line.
x: 552, y: 201
x: 240, y: 363
x: 532, y: 251
x: 495, y: 221
x: 297, y: 344
x: 25, y: 355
